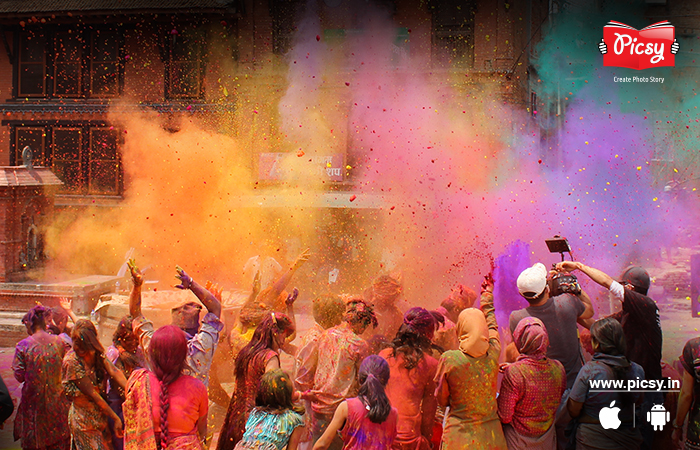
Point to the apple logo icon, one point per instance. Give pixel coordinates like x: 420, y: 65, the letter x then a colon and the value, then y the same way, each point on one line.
x: 608, y: 417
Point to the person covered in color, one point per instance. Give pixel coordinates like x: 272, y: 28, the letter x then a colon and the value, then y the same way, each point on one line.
x: 531, y: 390
x: 340, y: 352
x: 275, y: 423
x: 383, y: 295
x: 609, y: 363
x: 411, y: 387
x: 368, y: 421
x: 165, y: 408
x: 202, y: 339
x: 467, y: 380
x: 84, y: 373
x: 460, y: 298
x: 259, y: 356
x: 42, y: 416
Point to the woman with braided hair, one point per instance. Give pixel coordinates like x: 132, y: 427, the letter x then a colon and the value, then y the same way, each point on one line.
x: 411, y: 387
x: 165, y: 409
x: 42, y: 416
x: 259, y: 356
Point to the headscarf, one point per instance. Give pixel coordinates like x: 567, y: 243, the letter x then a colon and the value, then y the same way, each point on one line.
x: 531, y: 339
x: 473, y: 332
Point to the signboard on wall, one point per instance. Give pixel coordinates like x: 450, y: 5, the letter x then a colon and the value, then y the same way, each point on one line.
x: 330, y: 167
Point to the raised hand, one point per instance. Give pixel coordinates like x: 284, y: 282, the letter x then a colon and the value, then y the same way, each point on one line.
x: 566, y: 266
x: 291, y: 298
x: 301, y: 259
x: 136, y: 274
x: 487, y: 284
x: 604, y: 48
x: 185, y: 280
x: 66, y: 303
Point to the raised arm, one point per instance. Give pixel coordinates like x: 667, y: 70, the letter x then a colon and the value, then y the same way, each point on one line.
x: 284, y: 280
x: 487, y: 307
x: 135, y: 297
x: 67, y: 304
x: 588, y: 312
x: 207, y: 298
x: 594, y: 274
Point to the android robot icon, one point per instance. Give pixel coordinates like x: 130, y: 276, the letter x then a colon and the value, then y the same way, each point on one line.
x: 658, y: 417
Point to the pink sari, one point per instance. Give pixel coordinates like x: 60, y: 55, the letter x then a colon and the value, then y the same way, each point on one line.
x: 139, y: 433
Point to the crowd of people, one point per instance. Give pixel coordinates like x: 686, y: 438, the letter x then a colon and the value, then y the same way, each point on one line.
x: 366, y: 375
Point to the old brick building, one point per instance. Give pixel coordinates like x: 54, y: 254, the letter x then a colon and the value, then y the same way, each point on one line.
x: 63, y: 65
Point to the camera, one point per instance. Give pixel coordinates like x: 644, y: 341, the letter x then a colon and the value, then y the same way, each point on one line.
x: 562, y: 283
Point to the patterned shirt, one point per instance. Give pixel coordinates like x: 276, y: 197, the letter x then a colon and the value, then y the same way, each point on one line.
x: 530, y: 394
x: 200, y: 347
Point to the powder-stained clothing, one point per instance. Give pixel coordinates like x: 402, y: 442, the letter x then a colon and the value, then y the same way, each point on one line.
x: 200, y: 347
x: 690, y: 359
x: 559, y: 314
x: 267, y: 430
x: 42, y: 416
x: 340, y: 352
x: 472, y: 421
x: 530, y: 394
x: 412, y: 393
x: 306, y: 359
x: 243, y: 400
x: 87, y: 422
x: 360, y: 433
x: 188, y: 403
x: 642, y: 327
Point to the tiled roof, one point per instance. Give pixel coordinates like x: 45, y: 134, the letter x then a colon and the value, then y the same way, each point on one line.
x: 13, y: 176
x: 103, y: 108
x: 39, y: 6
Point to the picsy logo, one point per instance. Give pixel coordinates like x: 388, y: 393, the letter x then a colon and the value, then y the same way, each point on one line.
x: 652, y: 46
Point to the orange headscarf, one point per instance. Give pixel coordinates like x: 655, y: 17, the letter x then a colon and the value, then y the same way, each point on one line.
x: 473, y: 332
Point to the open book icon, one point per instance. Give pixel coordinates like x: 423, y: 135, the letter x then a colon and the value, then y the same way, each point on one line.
x: 639, y: 49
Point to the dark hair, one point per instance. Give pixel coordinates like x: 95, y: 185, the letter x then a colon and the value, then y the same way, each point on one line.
x: 539, y: 297
x: 373, y: 376
x: 328, y: 310
x: 358, y: 311
x: 439, y: 318
x: 59, y: 315
x: 168, y: 352
x: 275, y: 392
x: 414, y: 336
x: 37, y: 317
x: 123, y: 331
x: 263, y: 337
x: 610, y: 337
x: 85, y: 339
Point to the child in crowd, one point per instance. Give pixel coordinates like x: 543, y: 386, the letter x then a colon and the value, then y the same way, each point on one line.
x: 275, y: 423
x: 367, y: 421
